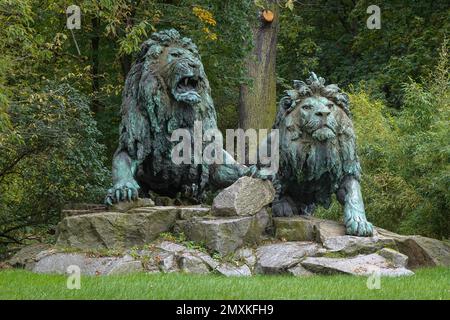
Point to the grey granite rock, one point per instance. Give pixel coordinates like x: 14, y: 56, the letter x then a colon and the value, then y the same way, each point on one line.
x: 351, y: 245
x: 113, y: 230
x: 171, y: 246
x: 299, y: 271
x: 245, y: 197
x: 398, y: 259
x: 194, y: 211
x: 27, y: 256
x: 229, y: 270
x: 246, y: 255
x: 127, y: 266
x: 124, y: 206
x: 59, y: 262
x: 297, y: 228
x: 279, y: 257
x: 364, y: 265
x: 225, y: 235
x: 421, y: 251
x: 168, y: 262
x: 189, y: 263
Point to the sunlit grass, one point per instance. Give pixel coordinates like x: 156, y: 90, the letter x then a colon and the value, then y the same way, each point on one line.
x: 432, y: 283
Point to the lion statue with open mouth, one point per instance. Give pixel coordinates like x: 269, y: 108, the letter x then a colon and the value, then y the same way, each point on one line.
x: 318, y: 154
x: 166, y: 89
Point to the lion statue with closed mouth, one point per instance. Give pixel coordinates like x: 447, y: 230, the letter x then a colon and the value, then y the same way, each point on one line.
x: 166, y: 89
x: 318, y: 154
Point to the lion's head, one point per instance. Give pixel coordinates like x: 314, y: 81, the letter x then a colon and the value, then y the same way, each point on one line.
x: 314, y: 109
x: 166, y: 89
x: 177, y: 62
x: 316, y: 131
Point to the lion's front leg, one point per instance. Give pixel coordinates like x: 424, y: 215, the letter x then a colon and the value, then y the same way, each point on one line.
x: 355, y: 219
x: 125, y: 187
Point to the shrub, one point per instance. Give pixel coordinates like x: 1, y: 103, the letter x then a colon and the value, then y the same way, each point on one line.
x: 405, y: 158
x: 49, y: 158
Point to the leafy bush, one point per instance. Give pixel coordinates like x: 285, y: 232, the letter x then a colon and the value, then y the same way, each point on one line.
x: 405, y: 158
x: 50, y: 157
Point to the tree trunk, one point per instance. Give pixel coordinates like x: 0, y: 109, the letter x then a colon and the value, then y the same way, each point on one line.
x: 257, y: 101
x: 126, y: 59
x: 95, y: 42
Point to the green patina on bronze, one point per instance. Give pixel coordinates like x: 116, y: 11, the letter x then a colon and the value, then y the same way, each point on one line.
x: 166, y: 89
x: 318, y: 154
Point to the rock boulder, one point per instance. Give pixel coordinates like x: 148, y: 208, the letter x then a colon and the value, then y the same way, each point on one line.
x: 112, y: 230
x: 28, y: 256
x: 246, y: 197
x: 59, y: 262
x: 279, y: 257
x: 225, y: 235
x: 363, y: 265
x: 421, y: 251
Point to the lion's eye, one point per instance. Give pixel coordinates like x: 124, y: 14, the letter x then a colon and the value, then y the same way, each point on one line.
x: 330, y: 105
x: 307, y: 107
x: 175, y: 54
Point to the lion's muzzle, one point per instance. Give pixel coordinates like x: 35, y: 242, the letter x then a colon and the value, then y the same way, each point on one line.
x: 187, y: 82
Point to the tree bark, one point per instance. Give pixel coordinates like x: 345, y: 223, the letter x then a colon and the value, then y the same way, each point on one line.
x: 257, y: 101
x: 126, y: 59
x: 95, y: 43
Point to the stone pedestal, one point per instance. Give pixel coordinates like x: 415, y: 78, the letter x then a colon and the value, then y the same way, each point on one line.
x: 226, y: 234
x: 118, y: 230
x: 128, y: 238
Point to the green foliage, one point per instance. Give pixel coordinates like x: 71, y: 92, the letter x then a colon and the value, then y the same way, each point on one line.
x: 405, y: 159
x: 334, y: 41
x: 51, y: 158
x: 425, y: 147
x: 297, y: 51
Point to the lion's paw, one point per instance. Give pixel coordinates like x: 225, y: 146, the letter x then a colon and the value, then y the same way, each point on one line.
x: 122, y: 191
x: 357, y: 225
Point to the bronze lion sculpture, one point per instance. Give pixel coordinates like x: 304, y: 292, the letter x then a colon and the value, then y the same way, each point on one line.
x: 318, y: 154
x: 166, y: 89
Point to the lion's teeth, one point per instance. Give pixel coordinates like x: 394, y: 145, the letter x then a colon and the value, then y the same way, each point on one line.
x: 185, y: 81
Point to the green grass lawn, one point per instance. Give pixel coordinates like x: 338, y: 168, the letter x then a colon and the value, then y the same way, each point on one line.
x: 432, y: 283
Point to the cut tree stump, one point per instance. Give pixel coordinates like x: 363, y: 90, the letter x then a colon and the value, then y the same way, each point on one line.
x: 267, y: 16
